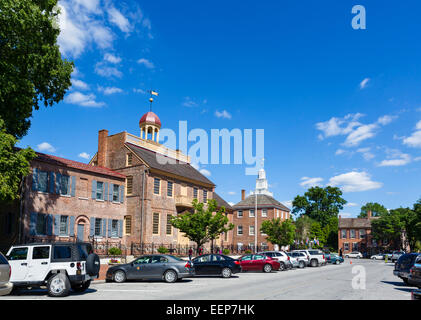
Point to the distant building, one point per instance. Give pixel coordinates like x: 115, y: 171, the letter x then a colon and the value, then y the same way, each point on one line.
x: 245, y: 214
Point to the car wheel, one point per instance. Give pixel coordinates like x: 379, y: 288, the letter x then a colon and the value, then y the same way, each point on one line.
x: 267, y: 268
x: 358, y: 257
x: 226, y: 273
x: 314, y: 263
x: 170, y: 276
x: 83, y: 287
x: 119, y: 276
x: 301, y: 264
x: 337, y: 262
x: 347, y: 257
x: 58, y: 285
x: 281, y: 266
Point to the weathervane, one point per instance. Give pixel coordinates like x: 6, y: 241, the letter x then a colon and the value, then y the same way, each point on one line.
x: 153, y: 93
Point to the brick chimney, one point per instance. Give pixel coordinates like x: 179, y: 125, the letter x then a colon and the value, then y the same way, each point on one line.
x: 102, y: 147
x: 243, y: 194
x: 369, y: 214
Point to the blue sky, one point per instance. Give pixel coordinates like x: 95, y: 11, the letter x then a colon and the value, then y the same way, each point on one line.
x: 339, y: 106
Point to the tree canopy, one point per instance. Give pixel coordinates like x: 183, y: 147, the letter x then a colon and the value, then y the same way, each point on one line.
x: 279, y: 232
x: 376, y: 209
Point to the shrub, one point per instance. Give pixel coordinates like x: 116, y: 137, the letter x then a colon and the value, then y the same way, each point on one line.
x: 114, y: 251
x: 225, y: 251
x: 163, y: 250
x: 248, y: 251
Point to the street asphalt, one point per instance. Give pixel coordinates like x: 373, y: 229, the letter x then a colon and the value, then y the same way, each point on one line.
x: 331, y: 282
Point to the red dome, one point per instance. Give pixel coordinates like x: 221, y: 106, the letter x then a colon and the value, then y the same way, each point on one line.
x: 150, y: 117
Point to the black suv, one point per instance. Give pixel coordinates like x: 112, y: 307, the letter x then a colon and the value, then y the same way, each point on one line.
x: 404, y: 264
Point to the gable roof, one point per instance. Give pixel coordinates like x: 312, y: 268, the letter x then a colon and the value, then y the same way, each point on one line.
x: 221, y: 202
x: 77, y: 165
x: 263, y: 201
x: 355, y: 222
x: 179, y: 168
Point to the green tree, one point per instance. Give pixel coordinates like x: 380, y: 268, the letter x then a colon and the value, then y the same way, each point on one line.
x: 319, y: 204
x: 376, y: 209
x: 302, y: 228
x: 32, y: 70
x: 388, y: 227
x: 204, y: 224
x: 280, y: 233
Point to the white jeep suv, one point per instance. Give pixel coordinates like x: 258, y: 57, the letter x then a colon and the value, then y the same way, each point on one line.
x: 59, y: 266
x: 315, y: 257
x: 354, y: 254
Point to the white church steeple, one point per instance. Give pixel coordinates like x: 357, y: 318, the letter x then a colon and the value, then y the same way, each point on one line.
x: 262, y: 183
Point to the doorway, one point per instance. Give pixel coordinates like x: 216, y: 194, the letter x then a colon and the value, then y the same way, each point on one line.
x: 80, y: 232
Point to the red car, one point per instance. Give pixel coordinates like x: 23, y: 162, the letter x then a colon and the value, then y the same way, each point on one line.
x: 258, y: 262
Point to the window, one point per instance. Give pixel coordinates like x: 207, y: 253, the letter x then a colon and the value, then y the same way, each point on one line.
x: 156, y: 185
x: 43, y: 181
x: 355, y: 246
x: 205, y: 196
x: 226, y: 236
x: 114, y: 228
x: 116, y: 189
x: 264, y: 212
x: 128, y: 224
x: 98, y: 224
x: 251, y: 230
x: 41, y: 253
x: 62, y: 252
x: 100, y: 190
x: 343, y: 233
x: 240, y: 230
x: 258, y: 257
x: 352, y: 234
x: 159, y: 259
x: 18, y: 254
x: 205, y: 258
x: 362, y: 233
x: 195, y: 191
x: 240, y: 213
x: 64, y: 185
x: 129, y: 183
x: 129, y: 159
x: 169, y: 188
x: 155, y: 223
x: 169, y: 226
x: 246, y: 258
x: 217, y: 258
x: 277, y: 213
x: 64, y: 226
x: 282, y: 215
x: 41, y: 224
x: 346, y: 246
x: 251, y: 213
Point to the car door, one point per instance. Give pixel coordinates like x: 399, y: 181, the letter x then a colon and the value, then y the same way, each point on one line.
x: 40, y: 263
x: 155, y: 268
x: 216, y: 264
x: 258, y: 261
x: 201, y: 264
x: 136, y: 271
x: 246, y: 262
x: 18, y: 260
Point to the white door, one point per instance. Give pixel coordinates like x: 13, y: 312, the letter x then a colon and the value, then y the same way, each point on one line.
x: 40, y: 263
x: 18, y: 260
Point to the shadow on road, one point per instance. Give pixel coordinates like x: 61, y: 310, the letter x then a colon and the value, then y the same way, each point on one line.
x: 43, y: 292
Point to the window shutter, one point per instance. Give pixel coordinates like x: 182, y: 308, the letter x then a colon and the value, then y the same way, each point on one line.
x: 92, y: 227
x: 58, y: 182
x: 93, y: 189
x: 120, y: 228
x: 33, y: 223
x: 35, y: 179
x: 111, y: 193
x: 73, y: 186
x: 110, y: 221
x: 121, y: 194
x: 51, y: 181
x: 105, y: 191
x: 57, y: 224
x: 104, y: 228
x: 72, y: 226
x: 49, y: 224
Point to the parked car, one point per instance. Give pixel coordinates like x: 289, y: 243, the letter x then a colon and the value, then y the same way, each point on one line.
x: 315, y: 257
x: 354, y: 254
x: 280, y: 256
x: 153, y: 266
x: 5, y: 271
x: 396, y: 255
x: 298, y: 259
x: 379, y: 256
x: 61, y: 266
x: 403, y: 265
x: 334, y: 259
x: 216, y: 264
x: 416, y: 295
x: 259, y: 262
x: 414, y: 277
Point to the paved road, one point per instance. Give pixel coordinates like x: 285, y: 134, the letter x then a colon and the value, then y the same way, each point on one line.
x: 328, y: 282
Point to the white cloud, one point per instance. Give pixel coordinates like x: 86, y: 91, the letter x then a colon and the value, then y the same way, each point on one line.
x: 351, y: 204
x: 395, y: 158
x: 112, y: 58
x: 82, y: 99
x: 45, y: 146
x: 139, y: 91
x: 364, y: 83
x: 415, y: 139
x: 386, y: 119
x: 354, y: 182
x: 231, y: 193
x: 79, y: 84
x: 205, y: 172
x: 145, y: 62
x: 360, y: 134
x: 84, y: 155
x: 310, y: 182
x: 106, y: 71
x: 109, y: 90
x: 117, y: 18
x: 231, y: 203
x: 224, y: 114
x: 188, y: 102
x: 367, y: 155
x: 287, y: 203
x: 339, y: 152
x: 417, y: 159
